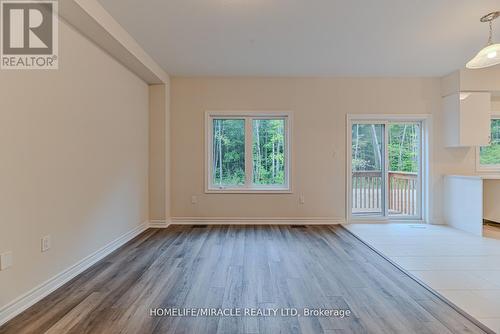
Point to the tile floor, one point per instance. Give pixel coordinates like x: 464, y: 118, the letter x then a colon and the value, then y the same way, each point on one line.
x: 463, y: 268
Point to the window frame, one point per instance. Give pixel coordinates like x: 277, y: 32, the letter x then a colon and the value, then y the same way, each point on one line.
x: 248, y: 117
x: 426, y: 154
x: 487, y: 168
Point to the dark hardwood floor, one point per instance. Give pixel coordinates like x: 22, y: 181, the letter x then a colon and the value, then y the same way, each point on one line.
x: 238, y: 267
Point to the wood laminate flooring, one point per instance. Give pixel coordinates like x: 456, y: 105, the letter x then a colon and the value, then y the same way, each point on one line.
x: 238, y: 267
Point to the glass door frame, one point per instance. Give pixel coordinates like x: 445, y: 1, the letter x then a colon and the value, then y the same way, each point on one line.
x: 423, y: 167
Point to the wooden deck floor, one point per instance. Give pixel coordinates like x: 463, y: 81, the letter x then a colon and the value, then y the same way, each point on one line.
x: 238, y: 267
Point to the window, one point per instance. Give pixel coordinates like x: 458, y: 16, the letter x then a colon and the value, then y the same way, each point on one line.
x: 248, y: 152
x: 489, y: 156
x: 228, y: 152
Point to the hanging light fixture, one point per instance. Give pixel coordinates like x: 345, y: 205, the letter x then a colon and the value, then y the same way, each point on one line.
x: 490, y: 54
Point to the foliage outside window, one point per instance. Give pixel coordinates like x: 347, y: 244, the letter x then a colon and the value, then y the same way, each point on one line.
x: 268, y: 151
x: 489, y: 156
x: 262, y: 140
x: 228, y: 152
x: 403, y: 148
x: 367, y: 140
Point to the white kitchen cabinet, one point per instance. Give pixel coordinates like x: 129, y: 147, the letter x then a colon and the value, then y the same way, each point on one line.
x: 467, y: 119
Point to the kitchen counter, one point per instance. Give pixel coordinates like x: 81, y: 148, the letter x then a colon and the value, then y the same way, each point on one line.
x: 471, y: 199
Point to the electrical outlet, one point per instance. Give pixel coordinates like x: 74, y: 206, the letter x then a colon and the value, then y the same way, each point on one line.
x: 302, y: 199
x: 6, y: 260
x: 194, y: 199
x: 46, y: 243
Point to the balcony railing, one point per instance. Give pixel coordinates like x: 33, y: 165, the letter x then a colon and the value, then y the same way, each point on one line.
x: 402, y: 193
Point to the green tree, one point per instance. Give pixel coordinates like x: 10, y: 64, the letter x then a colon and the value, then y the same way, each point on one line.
x: 228, y: 151
x: 490, y: 155
x: 403, y: 147
x: 268, y: 151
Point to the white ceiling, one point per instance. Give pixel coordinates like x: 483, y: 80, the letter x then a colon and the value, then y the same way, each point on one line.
x: 307, y: 37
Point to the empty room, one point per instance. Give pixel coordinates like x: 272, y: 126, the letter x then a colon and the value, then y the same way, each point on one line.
x: 249, y: 166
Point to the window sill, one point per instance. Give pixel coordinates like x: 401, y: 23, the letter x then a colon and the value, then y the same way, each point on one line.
x: 484, y: 170
x: 249, y: 191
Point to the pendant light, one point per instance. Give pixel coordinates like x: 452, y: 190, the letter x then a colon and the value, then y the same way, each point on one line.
x: 490, y: 54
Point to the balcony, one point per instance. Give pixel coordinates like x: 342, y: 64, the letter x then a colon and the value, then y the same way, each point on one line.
x: 367, y: 195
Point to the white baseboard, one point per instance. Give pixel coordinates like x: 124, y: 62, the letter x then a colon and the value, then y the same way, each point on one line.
x: 159, y: 223
x: 20, y: 304
x: 258, y: 220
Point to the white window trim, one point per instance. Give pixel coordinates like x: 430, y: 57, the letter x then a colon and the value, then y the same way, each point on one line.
x: 248, y: 187
x: 488, y: 168
x: 425, y: 165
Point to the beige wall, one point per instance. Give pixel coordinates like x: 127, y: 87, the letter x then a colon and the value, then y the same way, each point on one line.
x: 74, y: 162
x: 320, y: 106
x: 157, y: 151
x: 491, y: 191
x: 495, y: 105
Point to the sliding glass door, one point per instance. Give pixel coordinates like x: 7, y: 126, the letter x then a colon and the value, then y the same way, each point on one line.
x: 368, y: 169
x: 403, y: 169
x: 386, y: 169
